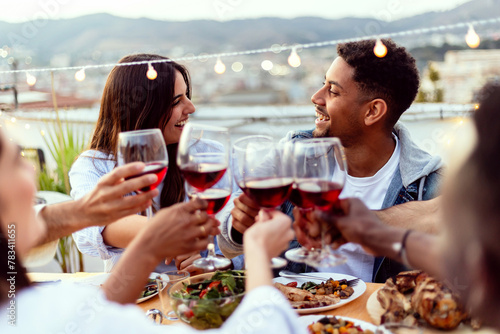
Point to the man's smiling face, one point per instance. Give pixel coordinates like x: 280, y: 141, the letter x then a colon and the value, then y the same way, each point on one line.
x: 339, y: 104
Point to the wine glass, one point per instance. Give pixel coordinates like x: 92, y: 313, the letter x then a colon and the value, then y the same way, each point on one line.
x: 149, y: 147
x: 238, y: 155
x: 319, y: 176
x: 217, y: 197
x: 267, y: 176
x: 203, y: 158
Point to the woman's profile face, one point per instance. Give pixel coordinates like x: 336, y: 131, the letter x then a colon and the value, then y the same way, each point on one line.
x: 181, y: 109
x: 17, y: 191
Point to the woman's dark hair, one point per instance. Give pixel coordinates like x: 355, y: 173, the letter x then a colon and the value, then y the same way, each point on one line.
x: 393, y: 78
x: 9, y: 263
x: 131, y: 101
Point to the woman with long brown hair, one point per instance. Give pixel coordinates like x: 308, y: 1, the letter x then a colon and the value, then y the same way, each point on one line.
x: 56, y: 308
x: 131, y: 101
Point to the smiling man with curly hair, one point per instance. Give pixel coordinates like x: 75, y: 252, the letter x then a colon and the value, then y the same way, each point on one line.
x: 360, y: 102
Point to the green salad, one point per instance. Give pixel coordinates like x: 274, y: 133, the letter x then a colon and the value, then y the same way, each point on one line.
x: 209, y: 303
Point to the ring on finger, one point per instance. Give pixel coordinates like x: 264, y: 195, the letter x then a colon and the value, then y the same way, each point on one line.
x: 203, y: 230
x: 198, y: 215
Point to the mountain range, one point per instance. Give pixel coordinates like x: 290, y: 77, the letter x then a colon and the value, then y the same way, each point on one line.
x: 107, y: 33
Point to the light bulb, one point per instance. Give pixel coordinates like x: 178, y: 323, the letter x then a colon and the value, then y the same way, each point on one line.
x: 380, y: 50
x: 267, y: 65
x: 472, y: 38
x: 294, y: 59
x: 80, y: 75
x: 237, y: 66
x: 151, y: 74
x: 30, y: 79
x: 219, y: 67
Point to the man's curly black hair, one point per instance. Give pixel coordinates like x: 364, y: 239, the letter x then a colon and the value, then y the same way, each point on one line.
x: 393, y: 78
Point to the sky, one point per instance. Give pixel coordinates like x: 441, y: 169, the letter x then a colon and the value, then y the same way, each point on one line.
x: 221, y: 10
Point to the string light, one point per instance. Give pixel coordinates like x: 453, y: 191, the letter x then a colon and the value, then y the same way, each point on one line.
x: 237, y: 67
x: 204, y: 57
x: 42, y: 133
x: 27, y: 126
x: 472, y: 38
x: 380, y: 50
x: 293, y: 58
x: 80, y: 75
x: 30, y: 79
x: 219, y: 67
x: 151, y: 73
x: 13, y: 119
x: 267, y: 65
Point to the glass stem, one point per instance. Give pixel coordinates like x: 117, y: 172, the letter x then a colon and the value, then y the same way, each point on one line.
x: 211, y: 247
x: 149, y: 212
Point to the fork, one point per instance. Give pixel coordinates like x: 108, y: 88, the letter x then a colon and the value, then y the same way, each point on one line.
x: 290, y: 274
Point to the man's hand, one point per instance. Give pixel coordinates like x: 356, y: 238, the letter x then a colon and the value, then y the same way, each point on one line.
x: 106, y: 202
x: 308, y: 226
x: 354, y: 221
x: 307, y: 230
x: 244, y: 212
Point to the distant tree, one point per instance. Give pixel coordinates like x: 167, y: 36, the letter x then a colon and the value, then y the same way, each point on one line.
x: 422, y: 96
x: 434, y: 77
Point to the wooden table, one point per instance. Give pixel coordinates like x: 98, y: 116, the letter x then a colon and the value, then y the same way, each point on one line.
x: 355, y: 309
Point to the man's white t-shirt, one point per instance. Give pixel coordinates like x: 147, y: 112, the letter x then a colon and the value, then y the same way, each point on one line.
x: 371, y: 190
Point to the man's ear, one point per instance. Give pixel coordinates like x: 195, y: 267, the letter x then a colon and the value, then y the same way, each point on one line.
x: 377, y: 110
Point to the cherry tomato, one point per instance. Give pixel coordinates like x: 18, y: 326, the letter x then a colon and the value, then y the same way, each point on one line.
x: 213, y: 284
x: 292, y: 284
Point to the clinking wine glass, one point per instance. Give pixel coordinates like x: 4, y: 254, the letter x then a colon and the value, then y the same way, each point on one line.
x: 238, y: 155
x: 217, y: 197
x: 267, y: 176
x: 203, y: 158
x: 149, y: 147
x: 319, y: 176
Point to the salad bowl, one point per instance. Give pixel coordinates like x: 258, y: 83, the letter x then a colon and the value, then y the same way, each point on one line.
x: 207, y: 300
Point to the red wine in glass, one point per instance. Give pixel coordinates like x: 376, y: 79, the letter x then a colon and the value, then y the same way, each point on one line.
x: 149, y: 147
x: 320, y: 193
x: 269, y: 192
x: 298, y: 200
x: 157, y: 168
x: 203, y: 175
x: 216, y: 198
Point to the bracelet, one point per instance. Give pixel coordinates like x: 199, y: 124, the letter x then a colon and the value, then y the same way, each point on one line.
x: 402, y: 251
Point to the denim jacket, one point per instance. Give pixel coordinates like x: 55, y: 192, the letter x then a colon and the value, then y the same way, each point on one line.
x: 417, y: 178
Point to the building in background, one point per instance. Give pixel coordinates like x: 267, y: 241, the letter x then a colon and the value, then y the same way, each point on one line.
x: 463, y: 73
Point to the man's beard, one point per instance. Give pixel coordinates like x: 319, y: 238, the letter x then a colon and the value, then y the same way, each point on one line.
x: 321, y: 133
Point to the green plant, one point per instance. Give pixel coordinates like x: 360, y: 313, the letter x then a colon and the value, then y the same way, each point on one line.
x: 65, y: 144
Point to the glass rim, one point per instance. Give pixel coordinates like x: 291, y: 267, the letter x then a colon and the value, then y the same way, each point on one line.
x: 206, y: 127
x: 140, y: 132
x: 319, y: 140
x: 200, y: 278
x: 183, y: 274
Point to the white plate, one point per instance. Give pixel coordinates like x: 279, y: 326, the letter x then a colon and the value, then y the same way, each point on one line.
x: 359, y: 289
x: 309, y: 319
x: 143, y: 299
